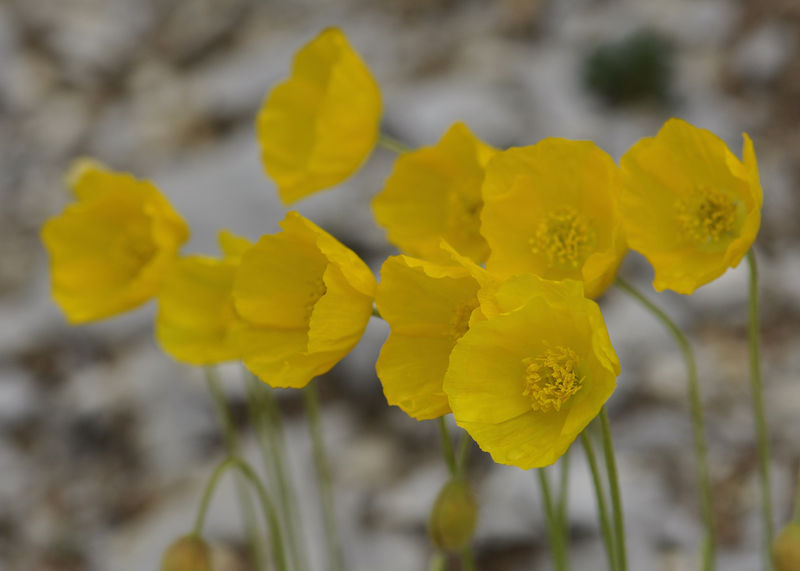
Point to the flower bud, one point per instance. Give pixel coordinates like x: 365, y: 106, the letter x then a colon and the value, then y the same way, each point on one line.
x: 786, y: 548
x: 454, y: 516
x: 189, y: 553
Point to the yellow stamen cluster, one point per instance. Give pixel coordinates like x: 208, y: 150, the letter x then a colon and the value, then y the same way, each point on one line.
x: 551, y: 379
x: 564, y: 237
x: 707, y: 216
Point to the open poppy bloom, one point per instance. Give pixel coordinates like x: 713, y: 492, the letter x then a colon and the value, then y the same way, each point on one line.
x: 306, y: 299
x: 434, y: 193
x: 429, y: 307
x: 551, y: 209
x: 528, y: 379
x: 111, y: 250
x: 317, y: 127
x: 689, y: 205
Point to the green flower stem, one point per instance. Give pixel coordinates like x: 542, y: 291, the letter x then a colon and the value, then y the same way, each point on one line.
x: 266, y: 505
x: 616, y: 499
x: 698, y: 424
x: 467, y: 559
x: 447, y: 447
x: 600, y: 494
x: 324, y: 476
x: 463, y: 453
x: 269, y: 432
x: 553, y: 528
x: 231, y: 439
x: 561, y: 512
x: 796, y: 517
x: 392, y: 144
x: 756, y: 387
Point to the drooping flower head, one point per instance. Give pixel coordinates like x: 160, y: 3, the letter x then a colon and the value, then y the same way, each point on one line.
x: 317, y: 127
x: 428, y: 307
x: 551, y: 209
x: 434, y: 193
x: 528, y: 379
x: 197, y: 322
x: 689, y: 205
x: 111, y: 250
x: 306, y: 299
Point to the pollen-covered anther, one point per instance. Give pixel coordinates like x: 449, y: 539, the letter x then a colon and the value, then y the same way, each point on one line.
x: 564, y: 237
x: 707, y: 216
x: 551, y: 379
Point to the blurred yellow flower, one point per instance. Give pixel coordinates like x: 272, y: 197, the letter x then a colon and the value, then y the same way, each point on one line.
x: 111, y: 250
x: 428, y: 307
x: 317, y: 127
x: 196, y: 321
x: 527, y: 380
x: 306, y: 299
x: 689, y: 205
x: 551, y: 209
x: 434, y: 193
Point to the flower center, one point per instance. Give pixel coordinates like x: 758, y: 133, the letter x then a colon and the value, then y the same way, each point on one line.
x: 551, y: 379
x: 564, y: 237
x: 708, y: 216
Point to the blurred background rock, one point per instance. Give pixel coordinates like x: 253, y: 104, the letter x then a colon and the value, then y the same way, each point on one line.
x: 105, y: 443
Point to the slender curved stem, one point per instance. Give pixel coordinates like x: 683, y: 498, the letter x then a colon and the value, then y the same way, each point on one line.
x: 233, y: 447
x: 266, y: 505
x: 269, y: 433
x: 756, y: 388
x: 324, y: 476
x: 553, y: 527
x: 392, y: 144
x: 616, y: 498
x: 698, y: 423
x: 447, y: 446
x: 600, y: 494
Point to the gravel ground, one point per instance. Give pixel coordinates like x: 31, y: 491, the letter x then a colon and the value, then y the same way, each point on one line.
x: 105, y: 443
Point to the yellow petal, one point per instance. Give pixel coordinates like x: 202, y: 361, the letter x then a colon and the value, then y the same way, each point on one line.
x: 317, y: 127
x: 434, y: 193
x: 196, y: 317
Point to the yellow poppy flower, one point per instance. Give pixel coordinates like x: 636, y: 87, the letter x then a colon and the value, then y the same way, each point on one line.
x: 551, y: 209
x: 434, y: 193
x: 111, y: 250
x: 196, y: 321
x: 526, y: 381
x: 317, y: 127
x: 428, y: 307
x: 306, y: 299
x: 689, y: 205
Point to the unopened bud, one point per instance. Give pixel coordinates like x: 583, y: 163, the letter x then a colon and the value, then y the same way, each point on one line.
x: 189, y: 553
x: 786, y: 548
x: 454, y: 516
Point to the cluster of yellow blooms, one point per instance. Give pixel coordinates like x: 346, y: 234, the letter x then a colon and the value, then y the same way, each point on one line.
x: 491, y: 307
